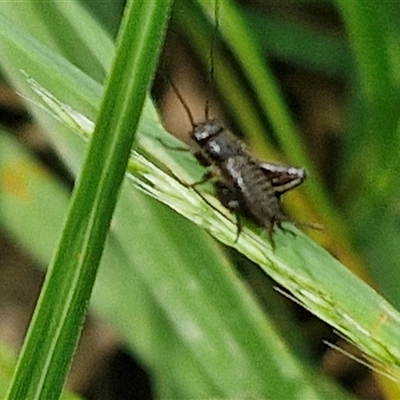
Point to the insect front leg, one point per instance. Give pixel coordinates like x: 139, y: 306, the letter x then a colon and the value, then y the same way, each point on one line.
x: 174, y: 148
x: 207, y: 177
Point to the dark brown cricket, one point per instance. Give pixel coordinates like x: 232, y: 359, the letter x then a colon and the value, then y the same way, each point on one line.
x: 245, y: 185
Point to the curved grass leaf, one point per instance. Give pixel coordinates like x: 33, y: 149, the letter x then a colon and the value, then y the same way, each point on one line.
x: 312, y: 276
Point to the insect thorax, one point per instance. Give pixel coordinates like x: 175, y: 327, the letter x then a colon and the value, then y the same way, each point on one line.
x: 214, y: 143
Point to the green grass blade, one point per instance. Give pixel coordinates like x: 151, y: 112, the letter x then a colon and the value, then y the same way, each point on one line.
x: 299, y: 44
x: 7, y: 366
x: 72, y: 33
x: 370, y: 185
x: 378, y: 98
x: 56, y: 324
x: 31, y: 53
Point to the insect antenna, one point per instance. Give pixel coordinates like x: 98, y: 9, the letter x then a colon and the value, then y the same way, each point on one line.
x: 211, y: 60
x: 182, y: 101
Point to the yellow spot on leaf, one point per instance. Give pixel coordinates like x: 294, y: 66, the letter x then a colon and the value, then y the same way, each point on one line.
x: 15, y: 178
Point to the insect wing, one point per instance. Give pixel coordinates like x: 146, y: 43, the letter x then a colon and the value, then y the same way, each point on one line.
x: 282, y: 177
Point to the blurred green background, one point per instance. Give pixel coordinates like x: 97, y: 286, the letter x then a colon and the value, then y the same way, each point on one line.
x: 309, y: 84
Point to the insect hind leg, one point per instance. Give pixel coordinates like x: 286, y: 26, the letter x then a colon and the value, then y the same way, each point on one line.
x: 283, y: 228
x: 228, y: 197
x: 300, y: 224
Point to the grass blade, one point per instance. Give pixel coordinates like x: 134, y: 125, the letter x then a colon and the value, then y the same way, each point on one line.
x: 57, y: 321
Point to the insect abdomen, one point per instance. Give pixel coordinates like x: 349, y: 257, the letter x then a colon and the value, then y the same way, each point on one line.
x: 256, y: 194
